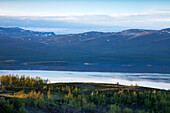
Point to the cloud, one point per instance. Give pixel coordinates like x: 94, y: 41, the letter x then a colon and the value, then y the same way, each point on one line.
x: 153, y: 19
x: 57, y: 30
x: 162, y: 10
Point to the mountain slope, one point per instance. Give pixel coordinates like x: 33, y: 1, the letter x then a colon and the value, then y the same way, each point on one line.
x: 128, y: 46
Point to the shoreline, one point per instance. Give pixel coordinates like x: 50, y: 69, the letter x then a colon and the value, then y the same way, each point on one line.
x: 151, y: 80
x: 82, y: 71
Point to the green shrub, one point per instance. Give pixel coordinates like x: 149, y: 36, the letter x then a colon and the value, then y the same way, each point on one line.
x: 22, y: 110
x: 114, y: 109
x: 5, y: 107
x: 127, y: 110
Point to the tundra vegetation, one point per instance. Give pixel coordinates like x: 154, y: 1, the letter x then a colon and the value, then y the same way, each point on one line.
x: 21, y: 94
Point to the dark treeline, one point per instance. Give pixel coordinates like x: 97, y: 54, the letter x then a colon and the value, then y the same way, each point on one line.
x: 85, y: 98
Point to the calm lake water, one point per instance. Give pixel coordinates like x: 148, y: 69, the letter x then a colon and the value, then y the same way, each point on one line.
x: 155, y: 80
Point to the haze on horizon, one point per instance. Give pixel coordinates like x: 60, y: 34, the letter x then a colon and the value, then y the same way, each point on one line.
x: 75, y: 16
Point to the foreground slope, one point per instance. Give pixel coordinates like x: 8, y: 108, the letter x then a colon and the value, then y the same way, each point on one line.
x: 32, y: 95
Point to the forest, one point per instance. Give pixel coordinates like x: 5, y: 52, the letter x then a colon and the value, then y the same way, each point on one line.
x: 25, y: 94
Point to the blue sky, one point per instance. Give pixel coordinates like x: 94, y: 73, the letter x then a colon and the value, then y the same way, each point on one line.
x: 72, y: 16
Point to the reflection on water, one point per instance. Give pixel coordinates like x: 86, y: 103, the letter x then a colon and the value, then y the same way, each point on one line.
x: 155, y: 80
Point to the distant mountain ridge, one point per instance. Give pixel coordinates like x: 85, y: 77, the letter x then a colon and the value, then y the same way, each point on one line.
x: 92, y: 37
x: 17, y: 32
x: 128, y: 46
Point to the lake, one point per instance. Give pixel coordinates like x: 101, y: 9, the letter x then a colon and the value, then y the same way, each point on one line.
x: 154, y: 80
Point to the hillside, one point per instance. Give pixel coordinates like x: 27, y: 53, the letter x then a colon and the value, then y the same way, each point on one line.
x: 133, y: 46
x: 32, y: 95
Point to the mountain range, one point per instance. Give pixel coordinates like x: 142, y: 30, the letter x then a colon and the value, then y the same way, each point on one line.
x: 128, y: 47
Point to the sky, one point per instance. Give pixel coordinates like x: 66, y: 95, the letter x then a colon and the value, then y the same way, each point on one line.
x: 74, y: 16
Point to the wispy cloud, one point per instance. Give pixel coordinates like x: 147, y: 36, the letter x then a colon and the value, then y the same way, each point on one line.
x: 153, y: 19
x: 57, y: 30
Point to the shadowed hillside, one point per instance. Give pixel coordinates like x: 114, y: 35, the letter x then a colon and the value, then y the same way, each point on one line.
x: 133, y: 46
